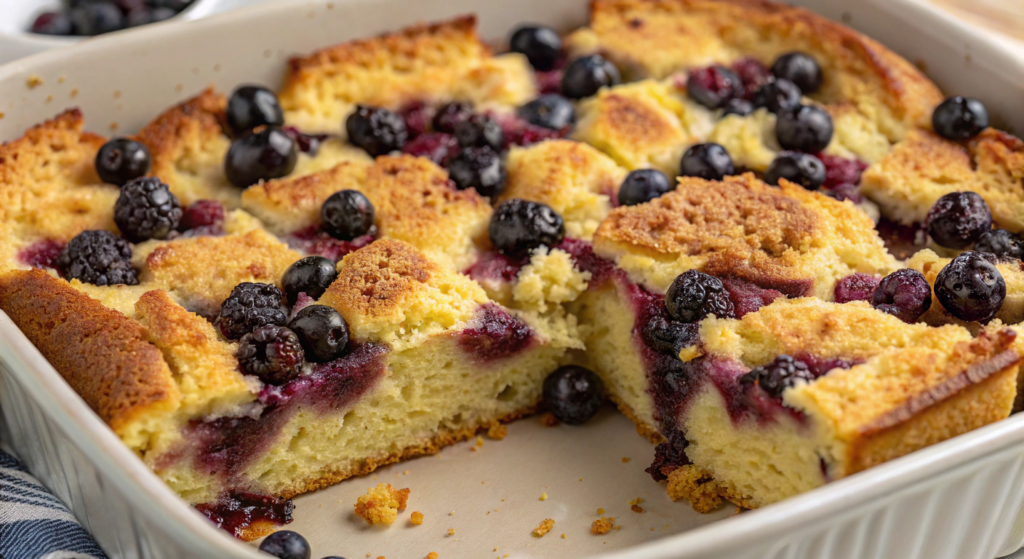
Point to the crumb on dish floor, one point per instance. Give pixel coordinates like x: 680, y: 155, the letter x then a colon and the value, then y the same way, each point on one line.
x: 381, y: 504
x: 416, y: 518
x: 497, y: 431
x: 432, y: 555
x: 451, y: 531
x: 543, y: 496
x: 549, y: 420
x: 544, y: 527
x: 601, y: 526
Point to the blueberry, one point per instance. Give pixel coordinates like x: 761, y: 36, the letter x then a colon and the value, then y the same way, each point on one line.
x: 52, y: 23
x: 959, y: 118
x: 311, y: 275
x: 708, y: 161
x: 121, y: 160
x: 286, y: 545
x: 376, y: 130
x: 146, y: 210
x: 643, y: 185
x: 904, y: 294
x: 800, y: 168
x: 322, y: 331
x: 251, y: 106
x: 479, y: 168
x: 801, y: 69
x: 586, y: 75
x: 96, y: 18
x: 694, y: 295
x: 347, y: 214
x: 958, y: 219
x: 99, y: 258
x: 480, y: 131
x: 519, y: 226
x: 668, y: 336
x: 451, y: 114
x: 267, y: 153
x: 145, y: 16
x: 540, y: 45
x: 248, y: 307
x: 776, y: 376
x: 713, y: 86
x: 1002, y: 243
x: 551, y: 111
x: 970, y: 287
x: 777, y: 95
x: 737, y: 106
x: 176, y: 5
x: 573, y: 394
x: 804, y: 128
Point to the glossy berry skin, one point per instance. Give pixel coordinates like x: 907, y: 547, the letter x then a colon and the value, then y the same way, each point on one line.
x: 551, y: 111
x: 643, y: 185
x: 52, y: 23
x: 146, y: 210
x: 540, y: 45
x: 347, y: 214
x: 800, y: 168
x: 573, y: 394
x: 958, y: 219
x: 251, y: 106
x: 250, y: 306
x: 801, y: 69
x: 781, y: 373
x: 777, y: 95
x: 804, y: 128
x: 519, y: 226
x: 737, y: 106
x: 713, y: 86
x: 959, y: 118
x: 904, y: 294
x: 1001, y: 243
x: 267, y: 153
x: 311, y: 275
x: 378, y: 131
x: 709, y: 161
x: 480, y: 131
x: 286, y: 544
x: 586, y: 75
x: 271, y: 353
x: 450, y: 114
x: 668, y: 336
x: 480, y: 168
x: 96, y: 18
x: 121, y: 160
x: 99, y: 258
x: 322, y: 331
x: 970, y: 287
x: 694, y: 295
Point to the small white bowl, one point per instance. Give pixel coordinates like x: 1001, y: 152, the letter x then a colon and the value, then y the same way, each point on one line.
x: 16, y: 17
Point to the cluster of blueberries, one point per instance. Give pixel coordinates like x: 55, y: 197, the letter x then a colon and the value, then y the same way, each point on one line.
x: 95, y: 17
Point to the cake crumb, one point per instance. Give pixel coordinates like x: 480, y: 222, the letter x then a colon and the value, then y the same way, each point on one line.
x: 406, y: 472
x: 416, y: 518
x: 549, y: 420
x: 600, y: 511
x: 601, y: 526
x: 497, y: 431
x: 636, y: 501
x: 563, y: 536
x: 432, y: 555
x: 34, y: 81
x: 695, y: 485
x: 543, y: 496
x: 452, y: 513
x: 74, y: 92
x: 544, y: 527
x: 625, y: 459
x: 381, y: 504
x: 635, y: 505
x: 451, y: 531
x: 636, y: 508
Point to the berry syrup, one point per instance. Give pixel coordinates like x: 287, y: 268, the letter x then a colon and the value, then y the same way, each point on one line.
x: 494, y: 334
x: 41, y: 254
x: 236, y: 511
x: 315, y: 241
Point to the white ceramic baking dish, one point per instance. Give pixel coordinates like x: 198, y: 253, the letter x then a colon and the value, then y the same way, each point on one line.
x: 956, y: 500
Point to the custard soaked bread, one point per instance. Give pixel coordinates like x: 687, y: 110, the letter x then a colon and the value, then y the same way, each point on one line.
x: 415, y: 239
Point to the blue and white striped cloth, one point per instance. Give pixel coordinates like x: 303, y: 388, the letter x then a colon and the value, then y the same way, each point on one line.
x: 33, y: 523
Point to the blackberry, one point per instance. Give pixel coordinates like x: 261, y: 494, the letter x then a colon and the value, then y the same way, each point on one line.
x: 904, y: 294
x: 643, y: 185
x: 480, y: 168
x: 708, y: 161
x: 1002, y: 243
x: 121, y: 160
x: 450, y: 114
x: 251, y: 106
x: 959, y: 118
x: 250, y: 306
x: 573, y: 394
x: 713, y: 86
x: 519, y: 226
x: 146, y: 210
x: 970, y: 287
x: 542, y: 46
x: 271, y: 353
x: 551, y: 111
x: 586, y: 75
x: 480, y: 131
x: 99, y: 258
x: 347, y: 214
x: 777, y: 95
x: 958, y: 219
x: 322, y: 331
x: 694, y: 295
x: 856, y: 287
x: 668, y: 336
x: 376, y: 130
x: 801, y: 168
x: 801, y: 69
x: 781, y: 373
x: 804, y: 128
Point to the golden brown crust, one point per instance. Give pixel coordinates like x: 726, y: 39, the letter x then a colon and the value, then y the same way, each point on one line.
x: 103, y: 355
x: 373, y: 281
x: 999, y: 162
